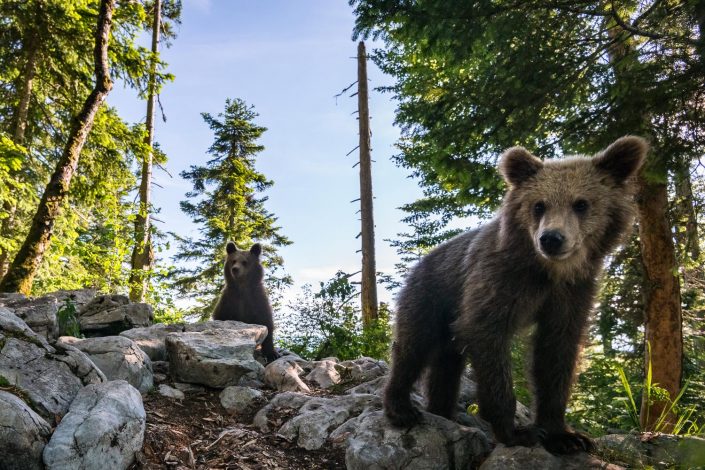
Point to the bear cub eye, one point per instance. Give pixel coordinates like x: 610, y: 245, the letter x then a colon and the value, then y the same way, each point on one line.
x: 539, y: 208
x: 580, y: 206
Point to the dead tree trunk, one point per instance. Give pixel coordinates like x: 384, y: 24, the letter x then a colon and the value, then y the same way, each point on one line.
x: 142, y: 253
x: 369, y: 270
x: 21, y: 274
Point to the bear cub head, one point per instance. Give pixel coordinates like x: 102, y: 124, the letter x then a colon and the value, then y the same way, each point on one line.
x: 572, y: 209
x: 241, y: 266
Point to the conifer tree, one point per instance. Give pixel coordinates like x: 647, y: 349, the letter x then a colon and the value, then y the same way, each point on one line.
x: 226, y: 202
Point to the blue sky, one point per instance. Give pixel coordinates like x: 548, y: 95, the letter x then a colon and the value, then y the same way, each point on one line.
x: 287, y: 58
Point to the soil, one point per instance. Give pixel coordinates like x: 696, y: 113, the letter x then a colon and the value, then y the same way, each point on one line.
x: 198, y: 433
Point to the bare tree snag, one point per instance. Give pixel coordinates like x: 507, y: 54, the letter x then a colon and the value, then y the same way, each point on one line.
x: 21, y: 274
x: 369, y: 270
x: 142, y: 253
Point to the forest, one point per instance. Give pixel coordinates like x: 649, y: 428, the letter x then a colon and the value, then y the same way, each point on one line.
x: 468, y: 80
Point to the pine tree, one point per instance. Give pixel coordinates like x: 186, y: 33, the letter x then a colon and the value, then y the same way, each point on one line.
x: 227, y: 204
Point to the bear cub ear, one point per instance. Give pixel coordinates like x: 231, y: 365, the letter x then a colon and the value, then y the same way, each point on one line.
x: 230, y: 248
x: 518, y: 165
x: 256, y: 249
x: 623, y: 158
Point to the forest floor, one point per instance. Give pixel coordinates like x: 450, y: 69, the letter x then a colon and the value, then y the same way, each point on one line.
x: 198, y: 433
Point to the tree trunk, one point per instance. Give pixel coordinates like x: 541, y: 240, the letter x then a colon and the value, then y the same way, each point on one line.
x: 662, y: 300
x: 21, y: 274
x: 142, y: 253
x: 25, y: 96
x: 662, y: 306
x: 369, y: 270
x: 686, y: 222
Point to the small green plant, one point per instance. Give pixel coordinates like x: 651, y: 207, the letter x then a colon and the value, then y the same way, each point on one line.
x: 328, y: 323
x: 67, y: 317
x: 685, y: 423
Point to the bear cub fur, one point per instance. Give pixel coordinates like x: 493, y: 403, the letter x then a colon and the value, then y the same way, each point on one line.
x: 244, y: 297
x: 536, y: 262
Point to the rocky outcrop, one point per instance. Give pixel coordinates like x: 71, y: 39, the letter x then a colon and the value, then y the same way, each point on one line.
x: 118, y: 358
x: 49, y: 377
x: 107, y: 315
x: 39, y: 314
x: 23, y: 434
x: 216, y: 357
x: 103, y: 429
x: 521, y: 458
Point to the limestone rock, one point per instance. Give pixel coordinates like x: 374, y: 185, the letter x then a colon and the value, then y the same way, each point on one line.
x: 237, y: 399
x: 103, y: 429
x: 324, y: 374
x: 215, y: 357
x: 520, y: 458
x: 23, y: 434
x: 363, y: 369
x: 436, y: 443
x: 39, y: 314
x: 79, y: 297
x: 283, y: 375
x: 50, y: 377
x: 315, y: 418
x: 107, y: 315
x: 169, y: 392
x: 119, y: 358
x: 151, y: 338
x: 657, y: 450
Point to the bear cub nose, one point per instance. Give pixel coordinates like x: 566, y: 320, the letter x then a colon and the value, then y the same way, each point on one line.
x: 551, y: 242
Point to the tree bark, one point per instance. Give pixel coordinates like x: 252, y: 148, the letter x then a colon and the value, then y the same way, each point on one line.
x: 142, y: 253
x: 686, y: 219
x: 369, y: 270
x: 20, y: 276
x: 662, y: 306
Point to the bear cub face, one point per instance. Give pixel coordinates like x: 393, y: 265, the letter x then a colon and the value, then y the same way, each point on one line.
x: 241, y: 265
x: 564, y: 204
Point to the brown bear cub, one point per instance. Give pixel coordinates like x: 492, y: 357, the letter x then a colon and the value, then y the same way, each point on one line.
x: 537, y: 262
x: 244, y: 297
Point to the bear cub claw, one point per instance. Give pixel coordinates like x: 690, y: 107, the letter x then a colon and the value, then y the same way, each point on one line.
x: 568, y: 442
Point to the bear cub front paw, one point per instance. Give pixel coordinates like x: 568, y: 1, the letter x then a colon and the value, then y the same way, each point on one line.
x: 568, y: 442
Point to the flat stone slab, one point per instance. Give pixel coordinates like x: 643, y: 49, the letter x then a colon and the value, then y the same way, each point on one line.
x: 216, y: 358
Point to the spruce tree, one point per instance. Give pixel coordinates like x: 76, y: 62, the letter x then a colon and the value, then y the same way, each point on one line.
x: 226, y: 202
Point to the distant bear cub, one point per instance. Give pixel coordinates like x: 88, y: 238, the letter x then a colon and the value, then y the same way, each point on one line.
x: 244, y: 297
x: 536, y: 262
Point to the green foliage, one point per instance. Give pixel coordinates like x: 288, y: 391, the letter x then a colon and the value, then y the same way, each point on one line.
x: 329, y: 323
x: 226, y: 204
x: 67, y: 318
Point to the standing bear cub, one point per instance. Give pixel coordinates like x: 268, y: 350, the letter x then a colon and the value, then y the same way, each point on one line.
x: 537, y: 262
x: 244, y: 297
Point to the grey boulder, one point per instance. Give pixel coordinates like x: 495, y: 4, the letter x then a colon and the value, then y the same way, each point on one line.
x: 371, y: 443
x: 107, y: 315
x: 150, y: 339
x: 39, y: 314
x: 238, y: 399
x: 215, y: 357
x: 103, y: 429
x: 119, y: 358
x: 284, y: 375
x: 23, y: 434
x: 49, y: 377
